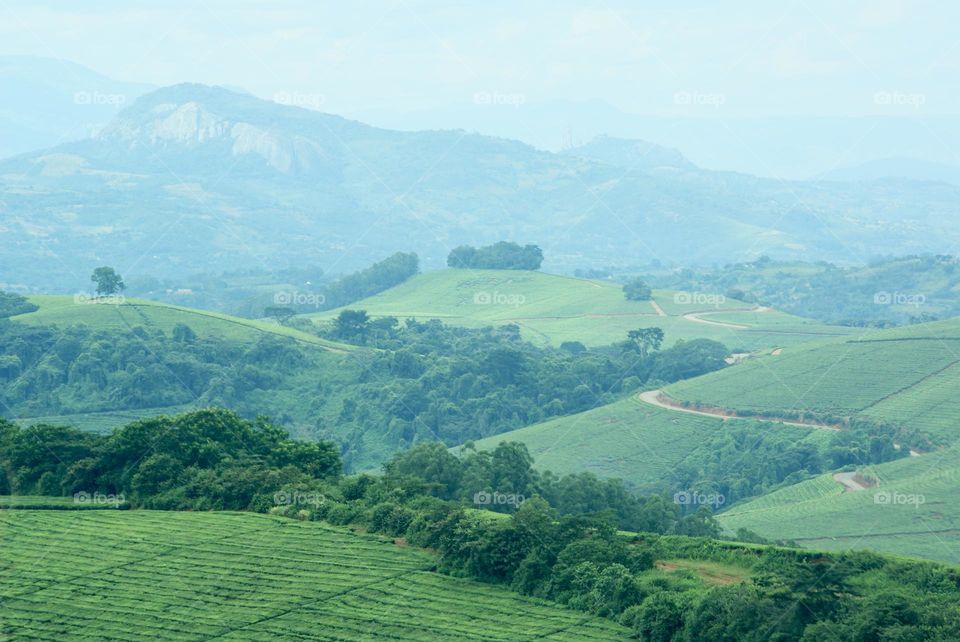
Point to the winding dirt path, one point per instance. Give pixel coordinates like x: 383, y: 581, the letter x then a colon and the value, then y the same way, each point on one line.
x: 656, y: 308
x: 696, y: 317
x: 659, y: 399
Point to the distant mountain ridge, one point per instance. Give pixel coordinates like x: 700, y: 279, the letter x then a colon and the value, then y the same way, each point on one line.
x: 46, y: 102
x: 904, y: 168
x: 194, y: 178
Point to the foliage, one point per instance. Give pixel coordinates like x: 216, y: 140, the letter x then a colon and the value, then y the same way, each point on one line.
x: 13, y: 304
x: 636, y: 289
x: 503, y: 255
x: 208, y: 459
x: 108, y: 281
x: 378, y: 277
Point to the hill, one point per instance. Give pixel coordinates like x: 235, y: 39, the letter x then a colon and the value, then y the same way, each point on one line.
x: 911, y: 510
x: 65, y: 310
x: 897, y: 167
x: 900, y: 375
x: 904, y: 377
x: 628, y: 439
x: 223, y: 179
x: 891, y: 290
x: 99, y: 365
x: 186, y: 576
x: 551, y: 309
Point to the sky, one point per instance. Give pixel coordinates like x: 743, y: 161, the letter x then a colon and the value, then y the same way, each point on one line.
x: 689, y: 58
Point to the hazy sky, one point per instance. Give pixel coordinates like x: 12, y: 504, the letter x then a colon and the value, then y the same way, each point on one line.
x: 687, y: 57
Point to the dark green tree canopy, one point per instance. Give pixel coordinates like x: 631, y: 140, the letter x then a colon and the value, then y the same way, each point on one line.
x: 637, y: 290
x: 108, y: 281
x: 499, y: 256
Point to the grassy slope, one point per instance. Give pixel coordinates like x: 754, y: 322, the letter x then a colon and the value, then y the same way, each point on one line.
x: 904, y: 375
x: 819, y: 514
x: 63, y: 310
x: 551, y: 309
x: 629, y: 439
x: 188, y: 576
x: 909, y: 375
x: 122, y: 318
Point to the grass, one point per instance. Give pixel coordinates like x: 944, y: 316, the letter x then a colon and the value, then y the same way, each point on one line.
x: 551, y: 309
x: 628, y: 439
x: 913, y: 511
x: 126, y: 575
x: 905, y: 375
x: 64, y: 311
x: 334, y: 359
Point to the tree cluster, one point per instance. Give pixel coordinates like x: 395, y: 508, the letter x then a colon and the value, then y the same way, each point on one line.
x: 504, y: 255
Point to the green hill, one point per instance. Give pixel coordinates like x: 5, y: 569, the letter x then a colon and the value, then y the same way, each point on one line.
x: 66, y: 310
x: 191, y: 576
x: 911, y: 511
x: 629, y: 439
x: 551, y: 309
x: 907, y: 376
x: 66, y: 384
x: 904, y: 375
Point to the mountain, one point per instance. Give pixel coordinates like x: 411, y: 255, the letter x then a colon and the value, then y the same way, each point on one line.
x: 905, y: 168
x: 46, y: 102
x: 633, y: 154
x: 193, y: 178
x: 787, y: 147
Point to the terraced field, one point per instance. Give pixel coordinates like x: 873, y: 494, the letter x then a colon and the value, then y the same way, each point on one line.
x: 904, y: 375
x: 133, y: 575
x: 551, y: 309
x: 913, y: 510
x: 629, y: 439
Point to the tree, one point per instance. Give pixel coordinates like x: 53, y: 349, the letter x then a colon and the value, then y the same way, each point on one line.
x: 573, y: 347
x: 645, y: 340
x: 499, y: 256
x: 281, y: 314
x: 352, y: 324
x: 108, y: 281
x: 637, y: 290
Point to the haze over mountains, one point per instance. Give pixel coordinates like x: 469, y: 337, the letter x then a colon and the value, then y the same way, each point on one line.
x: 45, y: 102
x: 193, y: 176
